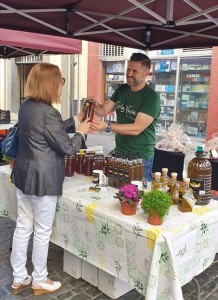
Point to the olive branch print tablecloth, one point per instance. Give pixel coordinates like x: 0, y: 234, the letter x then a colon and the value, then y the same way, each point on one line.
x: 156, y: 260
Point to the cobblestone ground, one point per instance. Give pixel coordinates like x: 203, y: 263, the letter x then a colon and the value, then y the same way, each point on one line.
x: 79, y: 289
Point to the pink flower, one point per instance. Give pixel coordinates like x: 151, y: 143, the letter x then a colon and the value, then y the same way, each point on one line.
x: 128, y: 191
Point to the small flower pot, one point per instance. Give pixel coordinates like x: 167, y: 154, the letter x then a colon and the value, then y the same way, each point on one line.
x: 128, y: 209
x: 154, y: 219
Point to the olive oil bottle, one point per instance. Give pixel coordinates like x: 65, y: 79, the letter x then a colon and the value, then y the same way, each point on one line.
x: 174, y: 188
x: 200, y: 174
x: 186, y: 197
x: 156, y: 184
x: 164, y: 179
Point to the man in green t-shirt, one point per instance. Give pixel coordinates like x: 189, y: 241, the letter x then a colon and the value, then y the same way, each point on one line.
x: 138, y: 108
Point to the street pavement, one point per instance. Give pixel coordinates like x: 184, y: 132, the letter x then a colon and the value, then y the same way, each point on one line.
x: 78, y: 289
x: 106, y: 139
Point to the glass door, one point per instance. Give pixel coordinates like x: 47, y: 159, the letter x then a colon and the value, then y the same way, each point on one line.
x: 193, y: 94
x: 163, y: 81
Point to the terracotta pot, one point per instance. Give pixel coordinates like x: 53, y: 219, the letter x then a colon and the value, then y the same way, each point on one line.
x: 11, y: 163
x: 155, y: 219
x: 128, y: 209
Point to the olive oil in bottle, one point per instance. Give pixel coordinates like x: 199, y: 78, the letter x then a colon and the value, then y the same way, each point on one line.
x: 174, y: 188
x: 156, y: 184
x: 186, y: 197
x: 200, y: 174
x: 164, y: 179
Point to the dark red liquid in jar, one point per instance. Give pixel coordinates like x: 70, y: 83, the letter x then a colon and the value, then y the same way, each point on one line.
x: 88, y: 108
x: 79, y: 162
x: 88, y: 164
x: 99, y: 162
x: 70, y: 163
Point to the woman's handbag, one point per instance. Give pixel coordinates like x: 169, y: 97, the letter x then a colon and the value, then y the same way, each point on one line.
x: 10, y: 143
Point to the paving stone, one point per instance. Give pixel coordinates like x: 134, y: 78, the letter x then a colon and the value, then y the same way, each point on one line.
x: 213, y: 296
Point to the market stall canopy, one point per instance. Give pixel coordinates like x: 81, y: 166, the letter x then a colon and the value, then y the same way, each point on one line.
x: 142, y: 24
x: 14, y: 43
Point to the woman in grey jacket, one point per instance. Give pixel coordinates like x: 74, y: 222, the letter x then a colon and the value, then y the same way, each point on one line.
x: 38, y: 174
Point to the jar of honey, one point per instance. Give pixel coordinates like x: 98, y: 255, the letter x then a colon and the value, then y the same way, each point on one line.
x: 98, y: 162
x: 88, y: 164
x: 79, y: 161
x: 88, y: 109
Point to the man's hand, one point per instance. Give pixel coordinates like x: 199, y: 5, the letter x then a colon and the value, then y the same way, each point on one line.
x: 98, y: 125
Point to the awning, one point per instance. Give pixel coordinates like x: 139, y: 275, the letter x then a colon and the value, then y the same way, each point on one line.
x: 144, y: 24
x: 15, y: 43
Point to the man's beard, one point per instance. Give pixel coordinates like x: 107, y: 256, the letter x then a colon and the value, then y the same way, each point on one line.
x: 133, y: 82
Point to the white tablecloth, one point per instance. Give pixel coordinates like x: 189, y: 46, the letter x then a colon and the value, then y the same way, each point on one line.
x: 156, y: 260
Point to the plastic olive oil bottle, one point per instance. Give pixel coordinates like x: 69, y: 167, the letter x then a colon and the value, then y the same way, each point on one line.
x: 200, y: 174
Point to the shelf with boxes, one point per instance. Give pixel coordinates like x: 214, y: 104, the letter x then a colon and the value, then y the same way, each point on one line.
x: 193, y: 95
x: 163, y: 80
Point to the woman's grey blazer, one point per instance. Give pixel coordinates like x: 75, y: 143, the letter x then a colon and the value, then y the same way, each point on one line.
x: 43, y: 143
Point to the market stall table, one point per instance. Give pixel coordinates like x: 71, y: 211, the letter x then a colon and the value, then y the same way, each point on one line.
x: 156, y: 260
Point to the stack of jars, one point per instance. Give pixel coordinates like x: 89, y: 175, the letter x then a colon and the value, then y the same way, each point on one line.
x: 85, y: 162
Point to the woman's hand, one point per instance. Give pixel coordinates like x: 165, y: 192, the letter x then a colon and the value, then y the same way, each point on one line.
x: 84, y: 127
x: 98, y: 125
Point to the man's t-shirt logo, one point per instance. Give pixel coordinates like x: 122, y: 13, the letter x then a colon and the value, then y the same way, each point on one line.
x: 130, y: 112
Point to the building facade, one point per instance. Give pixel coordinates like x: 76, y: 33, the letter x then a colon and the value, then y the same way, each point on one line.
x: 186, y: 80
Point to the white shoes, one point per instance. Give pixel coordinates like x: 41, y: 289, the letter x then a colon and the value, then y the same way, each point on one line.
x: 22, y: 285
x: 46, y: 288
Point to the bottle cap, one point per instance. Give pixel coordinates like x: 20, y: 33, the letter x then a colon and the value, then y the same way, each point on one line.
x: 174, y: 174
x: 200, y: 149
x: 157, y: 174
x: 82, y: 151
x: 164, y: 169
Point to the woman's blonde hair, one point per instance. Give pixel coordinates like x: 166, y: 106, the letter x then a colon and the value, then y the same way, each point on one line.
x: 43, y: 83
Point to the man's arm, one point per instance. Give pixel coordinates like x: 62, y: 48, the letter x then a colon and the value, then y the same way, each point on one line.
x: 142, y: 121
x: 103, y: 110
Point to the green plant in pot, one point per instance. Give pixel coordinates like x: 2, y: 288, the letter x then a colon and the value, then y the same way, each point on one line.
x: 156, y: 204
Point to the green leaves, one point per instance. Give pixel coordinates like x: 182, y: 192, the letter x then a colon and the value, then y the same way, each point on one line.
x: 156, y: 201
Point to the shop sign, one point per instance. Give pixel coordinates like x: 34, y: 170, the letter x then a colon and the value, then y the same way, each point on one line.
x: 195, y: 77
x: 167, y: 52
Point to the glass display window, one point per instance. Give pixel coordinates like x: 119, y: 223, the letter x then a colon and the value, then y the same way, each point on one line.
x: 193, y: 95
x: 163, y: 80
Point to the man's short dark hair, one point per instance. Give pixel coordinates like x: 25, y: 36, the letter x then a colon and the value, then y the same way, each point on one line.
x: 144, y: 59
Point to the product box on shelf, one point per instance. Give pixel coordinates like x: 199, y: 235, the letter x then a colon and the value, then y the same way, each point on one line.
x: 192, y: 130
x: 200, y: 88
x: 112, y: 286
x: 90, y: 273
x: 72, y: 265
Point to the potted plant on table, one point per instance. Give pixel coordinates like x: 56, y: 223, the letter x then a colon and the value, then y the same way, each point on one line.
x: 129, y: 197
x: 156, y: 204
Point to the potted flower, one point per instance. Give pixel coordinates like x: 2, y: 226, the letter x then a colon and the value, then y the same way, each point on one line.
x: 129, y: 197
x: 156, y: 204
